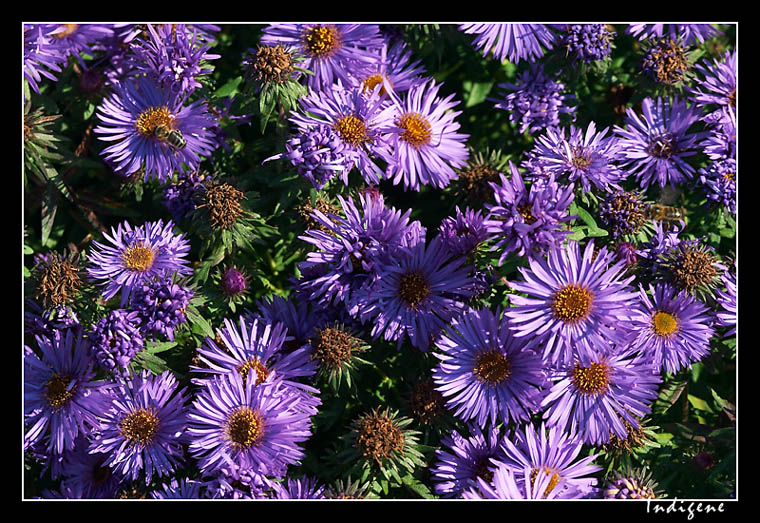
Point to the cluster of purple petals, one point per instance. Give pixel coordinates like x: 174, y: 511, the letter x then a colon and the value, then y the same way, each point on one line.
x: 718, y: 181
x: 620, y: 213
x: 161, y: 305
x: 527, y: 221
x: 318, y: 154
x: 464, y: 232
x: 180, y: 197
x: 514, y: 42
x: 536, y: 102
x: 40, y: 322
x: 585, y: 43
x: 690, y: 34
x: 174, y: 55
x: 589, y: 158
x: 116, y: 338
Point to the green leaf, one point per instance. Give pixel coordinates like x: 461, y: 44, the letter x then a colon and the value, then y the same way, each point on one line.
x: 152, y: 347
x: 200, y: 321
x: 699, y: 403
x: 229, y: 89
x: 476, y: 92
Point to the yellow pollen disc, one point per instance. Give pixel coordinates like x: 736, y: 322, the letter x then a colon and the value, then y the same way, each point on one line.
x: 261, y: 371
x: 70, y: 29
x: 372, y: 82
x: 148, y: 120
x: 527, y: 214
x: 244, y: 428
x: 352, y: 130
x: 413, y: 289
x: 552, y: 482
x: 729, y: 176
x: 664, y: 324
x: 572, y: 303
x: 140, y: 426
x: 321, y: 40
x: 492, y: 367
x: 57, y: 392
x: 594, y: 379
x: 417, y: 130
x: 138, y: 257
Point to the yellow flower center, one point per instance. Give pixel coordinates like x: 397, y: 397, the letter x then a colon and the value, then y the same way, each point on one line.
x: 321, y: 40
x: 552, y: 482
x: 352, y: 130
x: 417, y: 130
x: 372, y: 82
x: 68, y: 31
x: 664, y: 323
x: 492, y: 367
x: 572, y: 303
x: 57, y: 391
x: 244, y: 428
x: 527, y: 214
x: 138, y: 257
x: 148, y: 120
x: 413, y: 289
x: 139, y: 427
x: 591, y: 380
x: 261, y: 371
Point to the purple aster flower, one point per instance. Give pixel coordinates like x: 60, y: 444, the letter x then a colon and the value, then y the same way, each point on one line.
x: 116, y: 338
x: 392, y: 69
x: 670, y: 328
x: 485, y: 373
x: 721, y: 140
x: 174, y: 55
x: 532, y: 449
x: 585, y: 43
x: 663, y: 241
x: 257, y: 346
x: 62, y: 398
x: 352, y: 247
x: 89, y: 473
x: 511, y: 41
x: 256, y: 427
x: 425, y: 145
x: 357, y: 118
x: 590, y: 159
x: 160, y: 304
x: 655, y: 144
x: 153, y: 129
x: 75, y: 39
x: 41, y: 57
x: 332, y: 51
x: 727, y: 302
x: 143, y: 430
x: 298, y: 488
x: 537, y: 101
x: 179, y: 489
x: 417, y: 293
x: 319, y: 154
x: 529, y: 222
x: 592, y: 398
x: 718, y: 181
x: 461, y: 460
x: 507, y: 483
x: 688, y: 33
x: 574, y: 302
x: 136, y: 256
x: 463, y: 233
x: 717, y: 86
